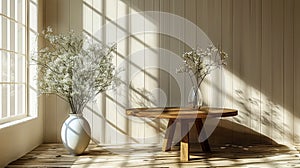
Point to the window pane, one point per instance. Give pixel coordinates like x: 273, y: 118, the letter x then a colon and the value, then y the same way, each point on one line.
x: 8, y: 8
x: 23, y: 31
x: 33, y: 42
x: 16, y: 40
x: 12, y: 9
x: 12, y: 67
x: 12, y: 36
x: 23, y: 12
x: 5, y: 100
x: 20, y: 99
x: 21, y: 39
x: 1, y: 35
x: 4, y: 33
x: 4, y: 67
x: 8, y: 34
x: 1, y: 100
x: 13, y: 100
x: 4, y: 7
x: 20, y: 68
x: 12, y: 97
x: 1, y: 68
x: 33, y: 16
x: 20, y: 13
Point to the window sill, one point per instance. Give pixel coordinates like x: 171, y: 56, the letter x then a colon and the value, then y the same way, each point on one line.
x: 16, y: 122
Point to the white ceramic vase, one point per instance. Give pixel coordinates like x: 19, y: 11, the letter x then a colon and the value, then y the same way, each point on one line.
x: 75, y: 134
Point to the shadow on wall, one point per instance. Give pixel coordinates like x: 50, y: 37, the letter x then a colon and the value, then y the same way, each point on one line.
x: 263, y: 115
x: 235, y: 131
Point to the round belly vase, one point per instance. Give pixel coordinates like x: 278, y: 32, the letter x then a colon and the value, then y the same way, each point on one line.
x: 75, y: 134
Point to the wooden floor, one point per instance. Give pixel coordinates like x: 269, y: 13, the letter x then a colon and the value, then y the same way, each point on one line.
x: 150, y: 155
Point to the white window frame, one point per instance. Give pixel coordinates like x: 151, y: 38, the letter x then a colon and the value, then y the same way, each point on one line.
x: 26, y: 60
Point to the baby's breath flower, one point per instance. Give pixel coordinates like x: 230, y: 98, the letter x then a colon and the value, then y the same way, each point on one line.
x: 74, y: 68
x: 202, y: 61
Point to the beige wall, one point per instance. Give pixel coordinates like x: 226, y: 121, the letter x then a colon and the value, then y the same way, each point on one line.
x: 262, y: 38
x: 62, y: 16
x: 21, y: 136
x: 19, y: 139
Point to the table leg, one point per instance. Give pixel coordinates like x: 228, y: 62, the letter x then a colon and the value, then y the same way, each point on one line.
x: 184, y: 144
x: 167, y: 143
x: 205, y: 145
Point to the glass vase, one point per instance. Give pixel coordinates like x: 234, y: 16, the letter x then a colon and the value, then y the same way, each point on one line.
x: 195, y: 99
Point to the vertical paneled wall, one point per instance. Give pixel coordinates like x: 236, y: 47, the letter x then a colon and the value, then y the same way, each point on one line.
x: 61, y: 15
x: 261, y: 80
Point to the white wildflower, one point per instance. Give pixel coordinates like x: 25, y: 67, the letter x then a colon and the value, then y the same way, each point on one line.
x: 201, y: 62
x: 74, y: 68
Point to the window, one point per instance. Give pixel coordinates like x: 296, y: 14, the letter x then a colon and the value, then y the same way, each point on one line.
x: 15, y: 33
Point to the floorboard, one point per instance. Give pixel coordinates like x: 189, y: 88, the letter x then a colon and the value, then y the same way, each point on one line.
x: 150, y: 155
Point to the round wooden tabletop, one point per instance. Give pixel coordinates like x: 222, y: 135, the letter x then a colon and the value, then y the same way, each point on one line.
x: 181, y: 112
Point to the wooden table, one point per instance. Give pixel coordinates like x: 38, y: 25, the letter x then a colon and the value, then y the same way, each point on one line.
x: 184, y: 116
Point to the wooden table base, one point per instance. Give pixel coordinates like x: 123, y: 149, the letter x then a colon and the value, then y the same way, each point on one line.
x: 167, y: 143
x: 184, y: 115
x: 184, y: 143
